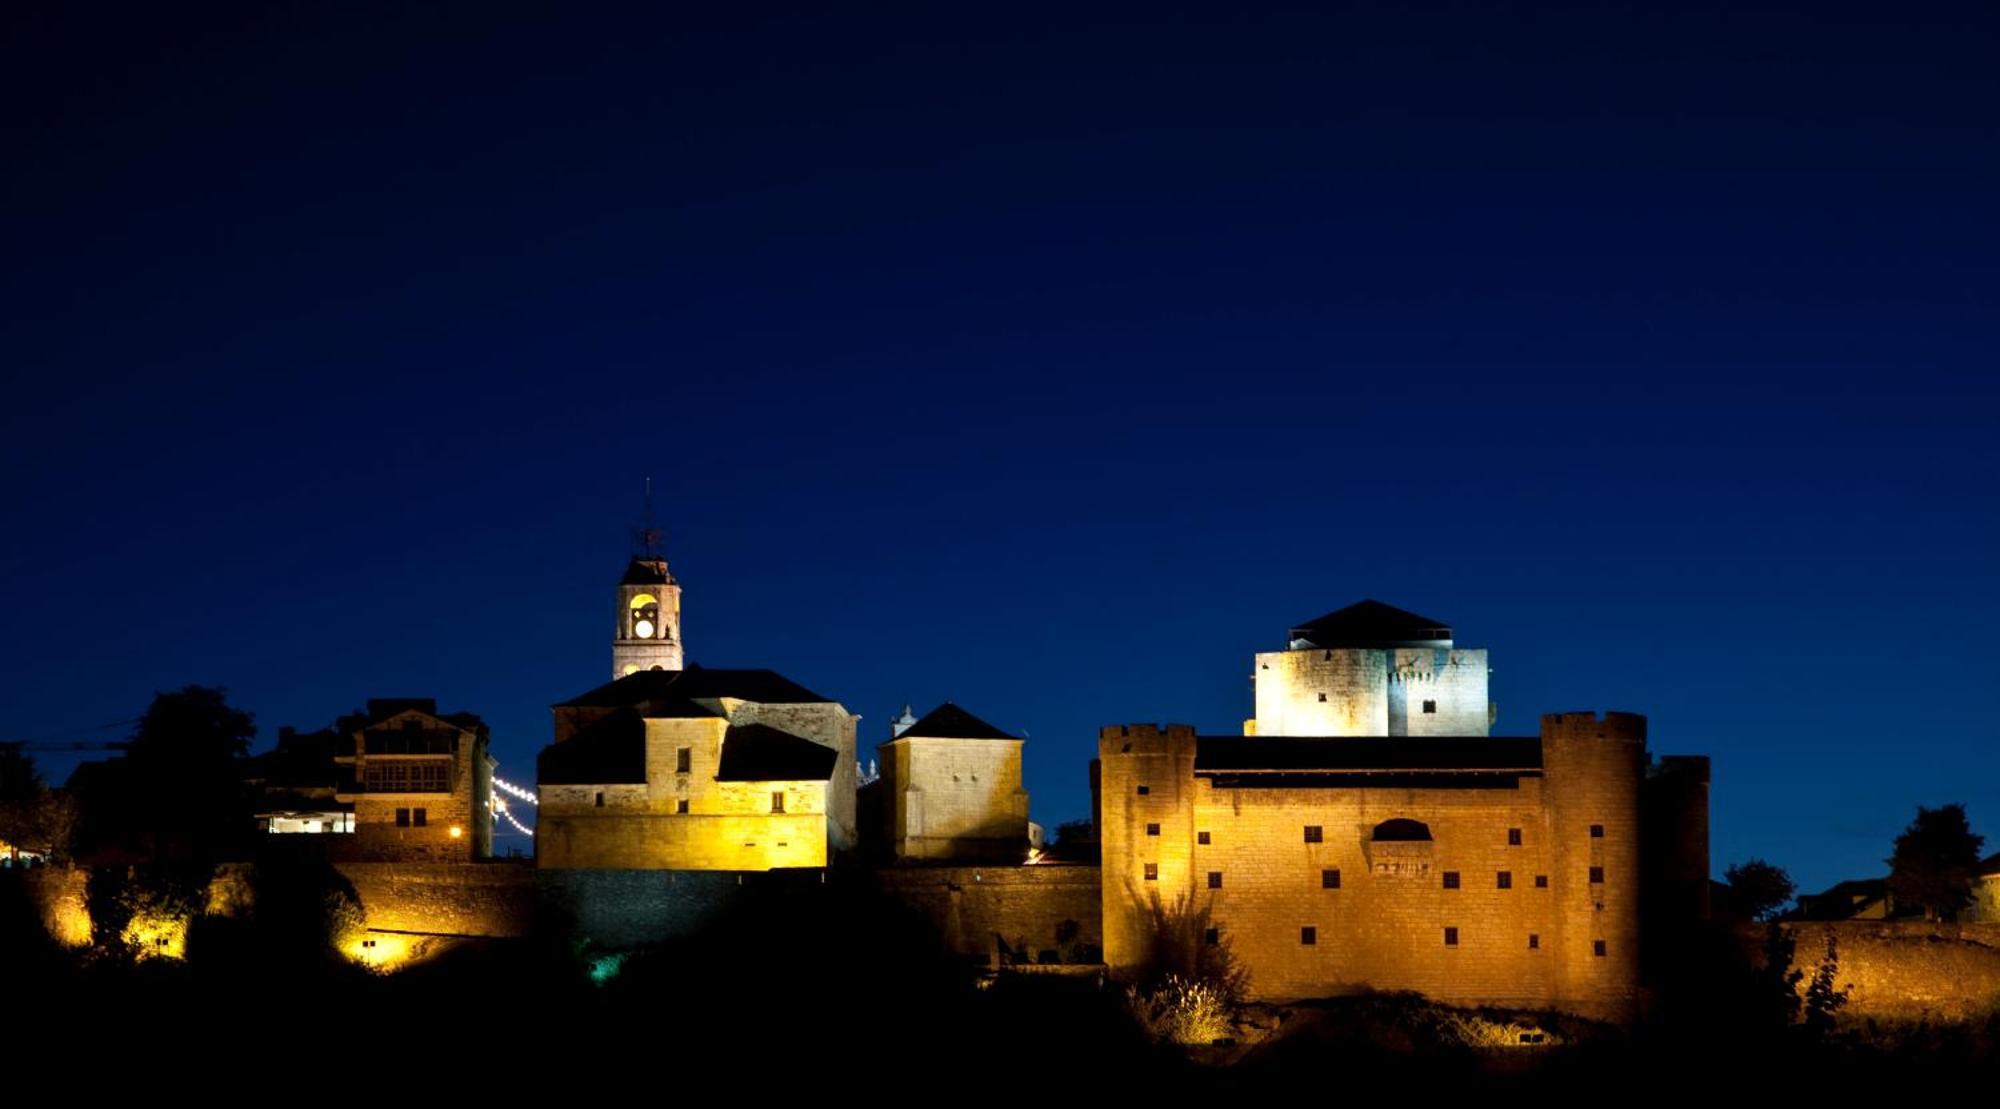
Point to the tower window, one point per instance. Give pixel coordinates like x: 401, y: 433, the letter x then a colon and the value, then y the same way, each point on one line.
x: 1513, y: 837
x: 1534, y: 942
x: 1212, y: 936
x: 1322, y: 698
x: 1451, y: 879
x: 1504, y: 880
x: 1596, y: 875
x: 1597, y: 831
x: 1201, y: 838
x: 681, y: 806
x: 1541, y: 881
x: 600, y: 799
x: 1152, y: 829
x: 1451, y: 937
x: 1308, y: 936
x: 1313, y: 833
x: 1329, y: 879
x: 1152, y: 872
x: 777, y: 800
x: 683, y: 760
x: 1144, y: 790
x: 1431, y: 707
x: 1215, y: 879
x: 1597, y: 948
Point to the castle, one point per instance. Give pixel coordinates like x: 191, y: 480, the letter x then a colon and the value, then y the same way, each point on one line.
x: 1363, y: 832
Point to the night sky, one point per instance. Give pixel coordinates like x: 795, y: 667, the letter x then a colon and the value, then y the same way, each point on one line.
x: 1045, y: 363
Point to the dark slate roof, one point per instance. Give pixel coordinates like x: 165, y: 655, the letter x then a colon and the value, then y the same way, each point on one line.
x: 760, y: 753
x: 948, y: 721
x: 611, y: 751
x: 646, y: 571
x: 1990, y: 865
x: 658, y: 687
x: 1372, y: 624
x: 1270, y: 754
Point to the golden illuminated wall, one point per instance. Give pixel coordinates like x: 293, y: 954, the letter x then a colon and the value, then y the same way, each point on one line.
x: 1384, y: 926
x: 727, y: 825
x: 827, y: 724
x: 954, y: 798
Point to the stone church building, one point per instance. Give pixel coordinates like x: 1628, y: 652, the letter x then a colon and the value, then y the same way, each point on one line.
x: 1366, y: 832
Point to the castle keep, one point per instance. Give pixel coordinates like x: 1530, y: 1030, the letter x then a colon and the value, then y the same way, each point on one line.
x: 1395, y: 845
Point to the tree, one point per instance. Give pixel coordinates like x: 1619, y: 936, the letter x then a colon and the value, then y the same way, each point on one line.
x: 21, y: 793
x: 180, y: 783
x: 1760, y: 889
x: 1823, y: 1001
x: 1936, y: 862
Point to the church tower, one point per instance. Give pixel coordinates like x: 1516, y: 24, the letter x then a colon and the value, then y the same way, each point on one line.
x: 648, y: 636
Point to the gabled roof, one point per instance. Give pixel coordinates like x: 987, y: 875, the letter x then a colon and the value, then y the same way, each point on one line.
x: 611, y: 751
x: 1372, y: 624
x: 764, y: 687
x: 760, y: 753
x: 643, y: 570
x: 948, y: 721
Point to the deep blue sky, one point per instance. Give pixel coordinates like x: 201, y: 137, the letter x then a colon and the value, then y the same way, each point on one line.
x: 1045, y: 362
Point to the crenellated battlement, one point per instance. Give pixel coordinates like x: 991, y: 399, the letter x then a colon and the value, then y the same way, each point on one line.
x: 1592, y: 725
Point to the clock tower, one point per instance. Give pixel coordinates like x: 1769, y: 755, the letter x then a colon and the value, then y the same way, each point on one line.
x: 648, y: 636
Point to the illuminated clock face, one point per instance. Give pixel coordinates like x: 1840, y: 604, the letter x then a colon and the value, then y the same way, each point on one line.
x: 644, y: 628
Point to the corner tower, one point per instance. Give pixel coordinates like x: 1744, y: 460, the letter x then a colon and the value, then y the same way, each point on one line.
x: 1371, y: 669
x: 648, y: 635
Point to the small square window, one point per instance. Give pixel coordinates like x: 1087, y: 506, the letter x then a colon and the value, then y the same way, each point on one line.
x: 402, y: 818
x: 1504, y: 880
x: 1541, y: 881
x: 1513, y: 837
x: 1534, y: 942
x: 1215, y: 879
x: 1451, y: 937
x: 1201, y: 838
x: 683, y: 760
x: 1322, y: 698
x: 1308, y: 935
x: 681, y: 806
x: 1329, y: 879
x: 1596, y: 875
x: 1597, y: 831
x: 1597, y: 948
x: 1313, y: 834
x: 1451, y: 879
x: 419, y: 817
x: 777, y: 800
x: 1152, y: 829
x: 600, y: 798
x: 1144, y: 790
x: 1212, y: 937
x: 1430, y: 707
x: 1152, y: 872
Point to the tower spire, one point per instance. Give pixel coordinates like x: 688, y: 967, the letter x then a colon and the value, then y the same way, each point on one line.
x: 649, y: 532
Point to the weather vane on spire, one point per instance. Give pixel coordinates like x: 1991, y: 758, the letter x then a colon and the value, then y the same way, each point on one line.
x: 649, y: 533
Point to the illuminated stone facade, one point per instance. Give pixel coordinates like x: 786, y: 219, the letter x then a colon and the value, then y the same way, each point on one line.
x: 951, y: 789
x: 1371, y: 669
x: 648, y: 631
x: 1475, y: 870
x: 697, y: 770
x: 419, y: 784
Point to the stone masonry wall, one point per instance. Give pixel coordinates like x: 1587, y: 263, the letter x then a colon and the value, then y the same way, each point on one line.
x: 1029, y: 908
x: 456, y: 899
x: 1906, y: 970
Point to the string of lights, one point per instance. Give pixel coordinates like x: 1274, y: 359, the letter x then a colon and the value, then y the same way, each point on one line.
x: 500, y: 807
x: 514, y: 791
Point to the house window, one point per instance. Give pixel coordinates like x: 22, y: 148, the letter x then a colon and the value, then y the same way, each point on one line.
x: 1596, y: 875
x: 1597, y: 948
x: 1152, y: 829
x: 1597, y: 831
x: 777, y: 800
x: 600, y: 799
x: 683, y: 760
x: 681, y: 806
x: 1430, y: 707
x: 1313, y: 833
x: 1212, y: 937
x: 1144, y: 790
x: 402, y: 818
x: 1152, y: 872
x: 1504, y: 880
x: 1541, y: 881
x: 1215, y: 879
x: 1534, y: 942
x: 408, y: 777
x: 1451, y: 879
x: 1201, y: 838
x: 1451, y: 937
x: 1329, y: 879
x: 418, y: 817
x: 1308, y: 935
x: 1513, y: 837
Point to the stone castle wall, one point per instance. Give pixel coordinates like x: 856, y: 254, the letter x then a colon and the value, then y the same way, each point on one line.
x: 488, y: 900
x: 955, y: 798
x: 1905, y: 970
x: 1046, y: 913
x: 1371, y: 692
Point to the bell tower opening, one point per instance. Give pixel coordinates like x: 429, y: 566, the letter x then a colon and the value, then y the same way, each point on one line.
x: 648, y: 635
